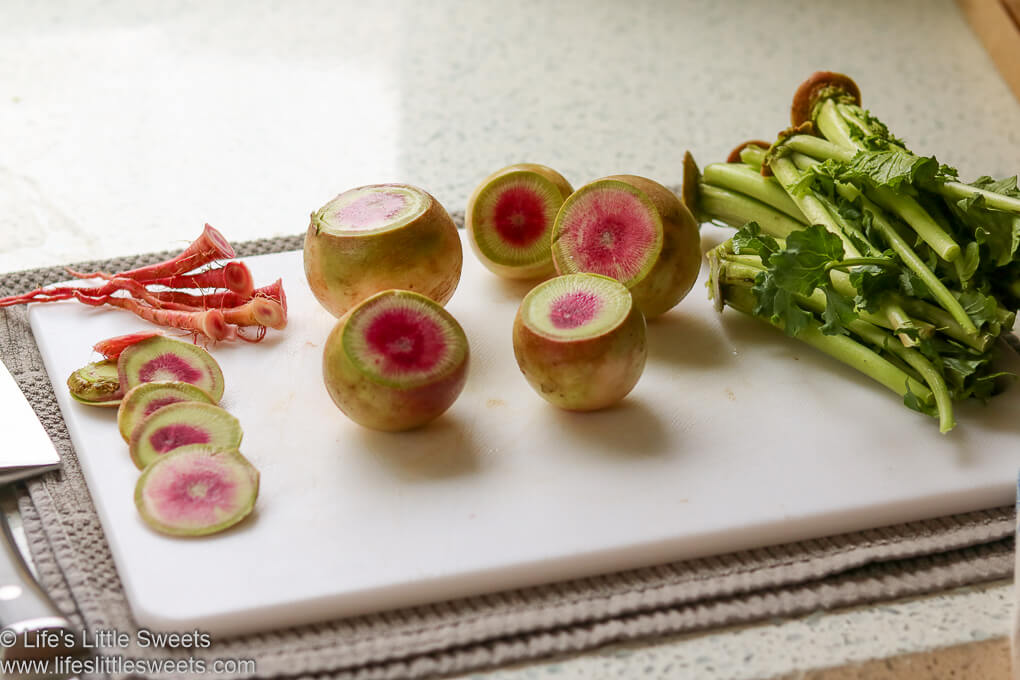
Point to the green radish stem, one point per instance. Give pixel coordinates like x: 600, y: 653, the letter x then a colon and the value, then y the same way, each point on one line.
x: 879, y: 338
x: 813, y: 209
x: 911, y: 212
x: 742, y: 179
x: 787, y: 174
x: 959, y: 190
x: 840, y: 347
x: 832, y: 125
x: 747, y: 268
x: 944, y: 322
x: 910, y: 258
x: 837, y: 132
x: 816, y: 147
x: 753, y: 156
x: 737, y: 210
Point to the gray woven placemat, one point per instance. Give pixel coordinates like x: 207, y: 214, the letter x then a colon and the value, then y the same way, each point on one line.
x: 76, y: 567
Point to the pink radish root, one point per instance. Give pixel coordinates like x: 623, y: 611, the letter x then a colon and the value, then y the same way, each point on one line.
x: 112, y: 347
x: 208, y: 247
x: 209, y: 322
x: 218, y: 315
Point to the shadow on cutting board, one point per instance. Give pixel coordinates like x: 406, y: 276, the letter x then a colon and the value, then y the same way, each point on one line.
x: 442, y: 449
x: 629, y: 430
x: 681, y: 339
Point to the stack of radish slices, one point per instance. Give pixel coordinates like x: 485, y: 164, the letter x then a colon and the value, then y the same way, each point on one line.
x: 194, y: 480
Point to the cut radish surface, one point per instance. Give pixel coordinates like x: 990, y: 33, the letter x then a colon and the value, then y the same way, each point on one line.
x: 196, y: 491
x: 181, y: 424
x: 381, y: 237
x: 96, y: 384
x: 143, y: 400
x: 635, y: 231
x: 162, y: 358
x: 580, y: 341
x: 510, y: 216
x: 396, y: 361
x: 373, y: 208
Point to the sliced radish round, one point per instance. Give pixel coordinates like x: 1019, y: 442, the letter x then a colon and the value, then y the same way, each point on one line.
x: 634, y: 230
x: 96, y: 384
x: 510, y: 216
x: 196, y: 491
x: 181, y: 424
x: 143, y: 400
x: 162, y: 358
x: 580, y: 341
x: 396, y: 361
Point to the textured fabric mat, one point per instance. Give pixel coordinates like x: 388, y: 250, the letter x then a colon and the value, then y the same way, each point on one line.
x: 75, y: 566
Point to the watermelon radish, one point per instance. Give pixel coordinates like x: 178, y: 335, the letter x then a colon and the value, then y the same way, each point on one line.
x: 509, y: 219
x: 379, y: 237
x: 634, y: 230
x: 163, y: 358
x: 580, y: 341
x: 396, y: 361
x: 179, y: 425
x: 197, y: 490
x: 143, y: 400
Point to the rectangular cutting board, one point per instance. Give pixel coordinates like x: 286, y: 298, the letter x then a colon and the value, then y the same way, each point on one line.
x: 735, y: 437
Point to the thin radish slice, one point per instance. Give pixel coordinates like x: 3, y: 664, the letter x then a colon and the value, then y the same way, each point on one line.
x: 96, y: 384
x: 178, y: 425
x: 196, y: 491
x: 143, y: 400
x: 163, y: 358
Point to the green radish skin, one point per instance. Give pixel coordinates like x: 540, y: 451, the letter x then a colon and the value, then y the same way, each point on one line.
x: 163, y: 358
x: 667, y: 278
x: 143, y: 400
x: 182, y: 424
x: 554, y: 188
x: 345, y: 266
x: 582, y: 373
x: 96, y: 384
x: 370, y: 398
x: 197, y: 491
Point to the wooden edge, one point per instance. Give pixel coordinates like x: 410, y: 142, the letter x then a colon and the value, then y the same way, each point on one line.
x: 984, y: 660
x: 997, y: 24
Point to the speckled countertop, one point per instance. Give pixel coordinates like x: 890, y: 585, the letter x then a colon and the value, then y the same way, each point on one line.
x: 123, y: 128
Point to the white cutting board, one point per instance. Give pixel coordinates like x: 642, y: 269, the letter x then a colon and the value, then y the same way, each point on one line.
x: 735, y: 437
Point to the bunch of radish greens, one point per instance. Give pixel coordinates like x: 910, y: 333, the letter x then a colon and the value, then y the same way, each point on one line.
x: 879, y: 257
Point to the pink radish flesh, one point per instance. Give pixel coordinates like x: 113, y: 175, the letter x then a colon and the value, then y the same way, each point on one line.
x: 161, y: 358
x: 195, y: 496
x: 168, y: 367
x: 157, y: 404
x: 611, y: 233
x: 519, y: 216
x: 574, y: 309
x: 371, y: 210
x: 170, y: 437
x: 405, y: 340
